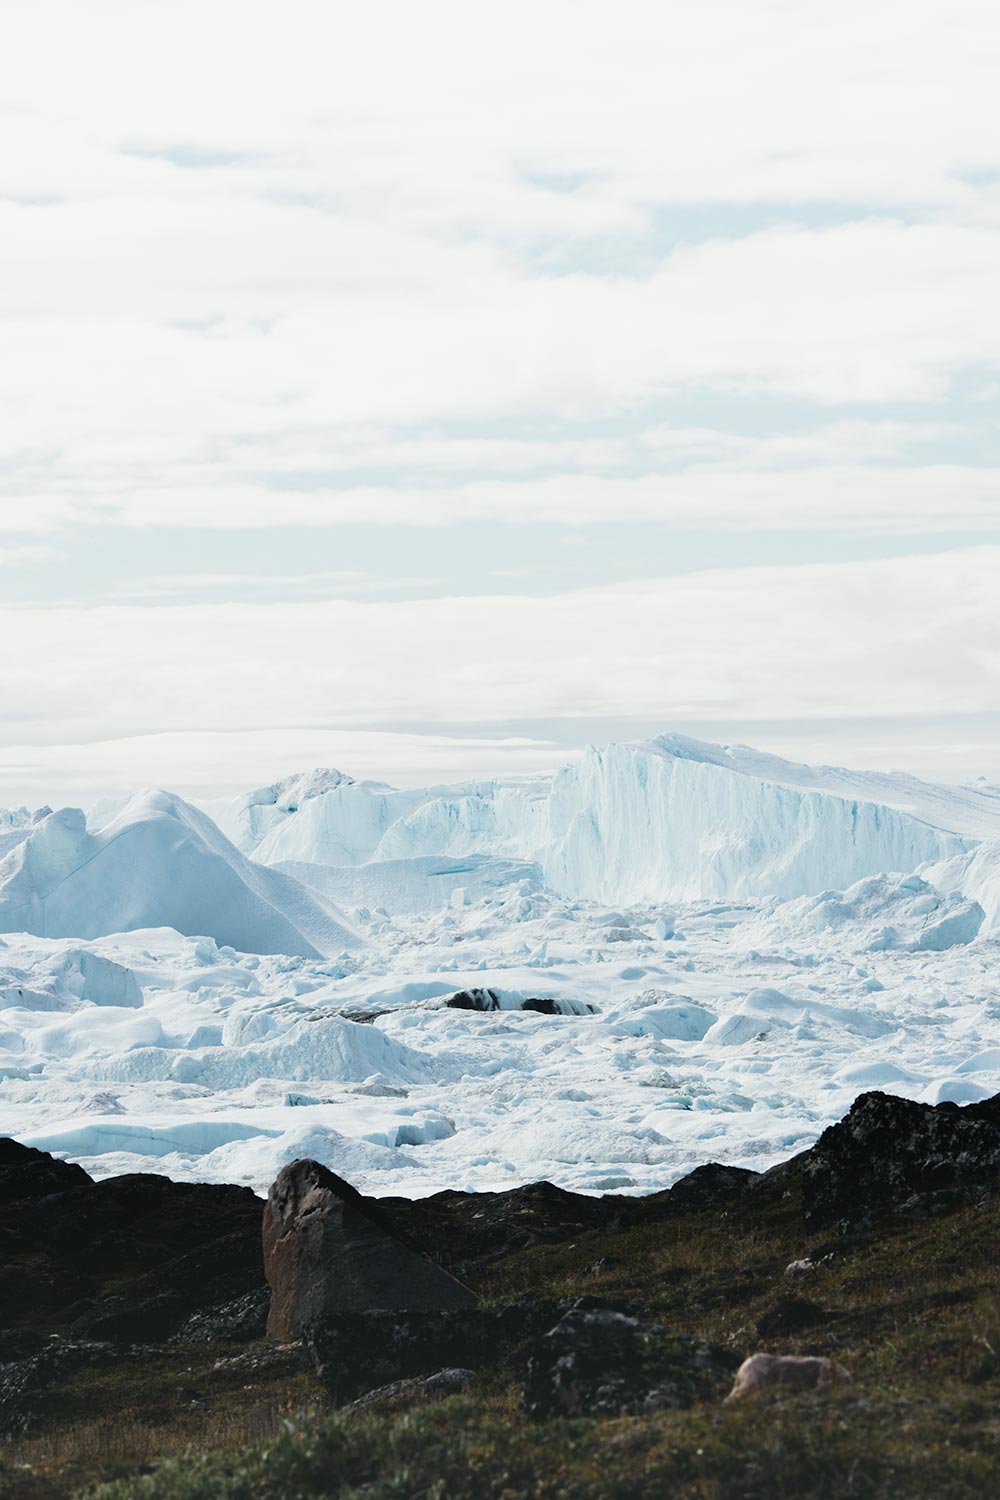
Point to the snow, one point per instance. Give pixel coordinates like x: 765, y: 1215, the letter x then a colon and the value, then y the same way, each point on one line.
x: 734, y: 948
x: 976, y: 876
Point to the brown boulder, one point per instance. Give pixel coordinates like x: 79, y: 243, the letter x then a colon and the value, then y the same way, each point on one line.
x: 328, y: 1250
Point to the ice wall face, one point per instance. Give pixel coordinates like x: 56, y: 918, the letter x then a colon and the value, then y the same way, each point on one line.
x: 357, y: 822
x: 160, y: 863
x: 642, y: 823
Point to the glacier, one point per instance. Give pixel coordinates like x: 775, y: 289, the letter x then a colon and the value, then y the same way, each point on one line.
x: 666, y: 819
x: 721, y: 949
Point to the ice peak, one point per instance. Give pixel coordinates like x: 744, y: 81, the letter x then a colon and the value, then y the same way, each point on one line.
x: 289, y: 793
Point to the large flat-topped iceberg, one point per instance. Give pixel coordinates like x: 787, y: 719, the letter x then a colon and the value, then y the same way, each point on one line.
x: 159, y: 862
x: 672, y: 818
x: 665, y: 819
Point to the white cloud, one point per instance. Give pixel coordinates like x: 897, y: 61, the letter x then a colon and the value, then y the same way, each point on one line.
x: 835, y: 496
x: 205, y: 762
x: 899, y: 637
x: 337, y: 584
x: 236, y: 237
x: 313, y: 265
x: 18, y: 556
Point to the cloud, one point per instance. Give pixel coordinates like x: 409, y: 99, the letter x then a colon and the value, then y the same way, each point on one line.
x: 331, y: 584
x: 492, y: 225
x: 14, y: 557
x: 205, y: 762
x: 894, y: 638
x: 836, y: 496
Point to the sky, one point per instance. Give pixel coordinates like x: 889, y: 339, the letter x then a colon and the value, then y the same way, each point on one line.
x: 429, y: 390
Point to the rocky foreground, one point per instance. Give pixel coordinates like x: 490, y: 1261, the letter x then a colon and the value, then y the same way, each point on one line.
x: 831, y: 1326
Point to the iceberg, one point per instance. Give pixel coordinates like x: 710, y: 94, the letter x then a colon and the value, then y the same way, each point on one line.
x: 160, y: 862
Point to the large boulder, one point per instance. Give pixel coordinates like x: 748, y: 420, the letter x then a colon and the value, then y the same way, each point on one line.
x: 891, y: 1155
x: 602, y: 1363
x: 328, y: 1250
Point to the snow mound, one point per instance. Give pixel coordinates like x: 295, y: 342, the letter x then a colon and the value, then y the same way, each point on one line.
x: 667, y: 1017
x: 160, y: 863
x: 977, y: 876
x: 325, y: 1048
x: 764, y: 1011
x: 882, y: 912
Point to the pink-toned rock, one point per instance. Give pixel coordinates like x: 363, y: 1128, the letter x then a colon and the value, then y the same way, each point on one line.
x: 803, y: 1372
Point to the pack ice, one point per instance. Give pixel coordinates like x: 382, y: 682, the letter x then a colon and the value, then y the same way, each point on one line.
x: 691, y: 952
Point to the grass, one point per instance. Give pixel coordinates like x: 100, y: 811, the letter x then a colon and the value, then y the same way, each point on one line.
x: 128, y: 1416
x: 912, y: 1311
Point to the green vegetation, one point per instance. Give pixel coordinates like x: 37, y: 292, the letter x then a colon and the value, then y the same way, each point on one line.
x: 912, y: 1311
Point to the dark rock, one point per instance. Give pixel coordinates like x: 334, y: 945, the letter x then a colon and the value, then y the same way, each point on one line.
x: 710, y: 1186
x: 487, y: 1000
x: 484, y: 1000
x: 234, y: 1322
x: 468, y: 1231
x: 26, y: 1173
x: 329, y: 1250
x: 891, y: 1155
x: 146, y: 1236
x: 597, y: 1363
x: 131, y: 1320
x: 20, y: 1343
x: 402, y: 1394
x: 359, y: 1352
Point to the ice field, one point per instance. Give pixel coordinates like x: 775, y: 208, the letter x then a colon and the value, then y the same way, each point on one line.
x: 726, y: 949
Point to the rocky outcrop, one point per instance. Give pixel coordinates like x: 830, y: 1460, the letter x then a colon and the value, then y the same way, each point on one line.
x: 26, y: 1173
x: 328, y: 1250
x: 487, y: 1000
x: 468, y: 1231
x: 891, y: 1155
x: 709, y: 1186
x: 168, y: 1249
x: 601, y: 1363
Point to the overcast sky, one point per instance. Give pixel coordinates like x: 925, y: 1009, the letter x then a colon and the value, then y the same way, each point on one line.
x: 427, y: 389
